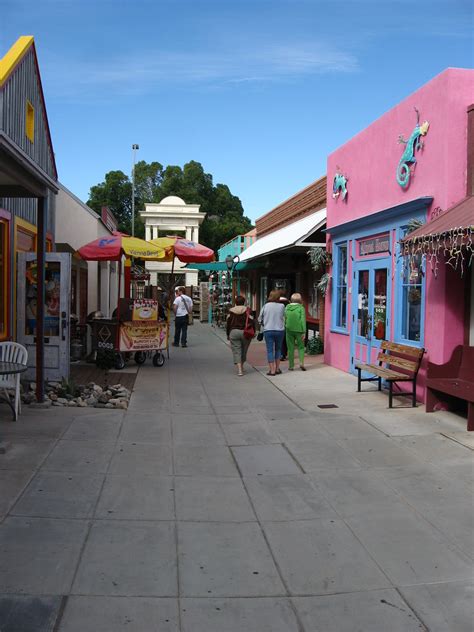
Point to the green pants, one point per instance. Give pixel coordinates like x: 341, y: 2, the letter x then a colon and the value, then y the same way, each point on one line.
x: 294, y: 338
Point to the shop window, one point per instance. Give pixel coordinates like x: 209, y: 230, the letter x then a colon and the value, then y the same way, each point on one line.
x: 3, y: 278
x: 25, y: 240
x: 30, y: 122
x: 340, y: 287
x: 314, y: 301
x: 411, y: 294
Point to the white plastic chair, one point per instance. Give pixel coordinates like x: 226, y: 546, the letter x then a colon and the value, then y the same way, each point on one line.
x: 12, y: 352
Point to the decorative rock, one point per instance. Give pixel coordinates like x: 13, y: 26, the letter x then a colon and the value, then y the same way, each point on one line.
x: 116, y: 396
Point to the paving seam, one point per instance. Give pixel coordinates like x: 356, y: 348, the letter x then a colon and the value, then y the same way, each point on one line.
x: 265, y: 377
x: 94, y: 510
x: 37, y: 470
x: 284, y: 584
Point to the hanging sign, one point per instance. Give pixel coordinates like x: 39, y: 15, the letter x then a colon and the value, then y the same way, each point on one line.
x: 108, y: 219
x: 374, y: 245
x: 143, y: 336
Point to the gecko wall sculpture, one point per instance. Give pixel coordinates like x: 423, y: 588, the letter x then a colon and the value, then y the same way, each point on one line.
x: 414, y: 143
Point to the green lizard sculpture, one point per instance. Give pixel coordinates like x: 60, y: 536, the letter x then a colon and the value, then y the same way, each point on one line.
x: 414, y: 143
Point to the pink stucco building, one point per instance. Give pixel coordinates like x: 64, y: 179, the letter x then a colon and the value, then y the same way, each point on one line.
x: 375, y: 292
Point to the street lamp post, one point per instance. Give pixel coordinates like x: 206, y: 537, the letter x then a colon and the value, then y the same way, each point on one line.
x: 231, y: 262
x: 134, y: 150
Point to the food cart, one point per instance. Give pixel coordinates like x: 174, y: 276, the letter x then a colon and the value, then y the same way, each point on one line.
x: 140, y: 325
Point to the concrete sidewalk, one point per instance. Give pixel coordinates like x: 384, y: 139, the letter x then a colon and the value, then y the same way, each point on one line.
x: 226, y: 504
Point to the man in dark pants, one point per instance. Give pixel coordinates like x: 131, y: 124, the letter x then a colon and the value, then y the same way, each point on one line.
x: 182, y: 306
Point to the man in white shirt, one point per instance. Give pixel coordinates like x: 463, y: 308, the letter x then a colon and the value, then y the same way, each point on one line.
x: 182, y: 306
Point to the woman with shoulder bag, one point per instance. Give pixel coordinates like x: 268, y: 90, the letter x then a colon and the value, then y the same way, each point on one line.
x: 272, y: 320
x: 240, y: 331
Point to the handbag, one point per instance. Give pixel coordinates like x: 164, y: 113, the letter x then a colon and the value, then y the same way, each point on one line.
x: 190, y: 313
x: 260, y: 336
x: 249, y: 329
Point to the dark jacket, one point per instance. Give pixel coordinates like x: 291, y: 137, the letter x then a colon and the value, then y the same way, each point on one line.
x: 237, y: 318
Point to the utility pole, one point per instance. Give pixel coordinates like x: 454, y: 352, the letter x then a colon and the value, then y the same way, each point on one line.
x: 134, y: 150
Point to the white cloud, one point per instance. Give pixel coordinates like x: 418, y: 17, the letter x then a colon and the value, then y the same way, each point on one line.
x: 143, y: 74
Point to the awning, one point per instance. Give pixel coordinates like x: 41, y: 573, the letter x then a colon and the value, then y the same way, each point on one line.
x: 458, y: 217
x: 287, y: 237
x: 448, y: 238
x: 218, y: 266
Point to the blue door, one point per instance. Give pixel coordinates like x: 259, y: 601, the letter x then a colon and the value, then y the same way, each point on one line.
x: 370, y: 309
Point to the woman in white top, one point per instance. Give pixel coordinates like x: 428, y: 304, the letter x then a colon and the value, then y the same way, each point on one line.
x: 272, y: 319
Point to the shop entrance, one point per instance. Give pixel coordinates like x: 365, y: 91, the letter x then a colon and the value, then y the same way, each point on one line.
x: 56, y: 313
x: 370, y: 310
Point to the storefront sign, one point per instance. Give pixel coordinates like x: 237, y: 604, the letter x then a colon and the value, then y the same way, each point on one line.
x: 108, y: 218
x: 143, y: 336
x: 374, y: 245
x: 138, y: 310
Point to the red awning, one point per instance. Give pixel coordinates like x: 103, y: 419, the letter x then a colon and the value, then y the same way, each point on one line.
x: 459, y: 216
x: 449, y: 237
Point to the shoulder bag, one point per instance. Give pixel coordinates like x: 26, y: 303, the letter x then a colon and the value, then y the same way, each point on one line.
x: 249, y: 329
x: 190, y: 313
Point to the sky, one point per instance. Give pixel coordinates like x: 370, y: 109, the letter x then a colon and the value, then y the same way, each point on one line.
x: 259, y: 91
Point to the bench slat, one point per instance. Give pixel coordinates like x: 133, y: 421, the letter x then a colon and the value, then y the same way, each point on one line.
x: 409, y: 365
x: 403, y: 349
x: 382, y: 372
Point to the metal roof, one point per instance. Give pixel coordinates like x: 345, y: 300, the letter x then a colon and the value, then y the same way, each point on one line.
x: 291, y: 235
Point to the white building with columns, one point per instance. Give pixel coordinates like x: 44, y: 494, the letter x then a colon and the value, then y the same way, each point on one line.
x: 172, y: 216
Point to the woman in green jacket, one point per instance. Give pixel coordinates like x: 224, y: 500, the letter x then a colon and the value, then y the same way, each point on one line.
x: 295, y: 327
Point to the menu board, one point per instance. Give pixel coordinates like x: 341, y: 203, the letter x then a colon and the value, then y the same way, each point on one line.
x: 138, y: 310
x: 141, y: 328
x: 143, y: 336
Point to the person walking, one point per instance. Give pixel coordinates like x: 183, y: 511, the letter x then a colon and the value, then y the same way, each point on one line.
x: 295, y: 328
x: 239, y: 319
x: 182, y: 307
x: 284, y: 349
x: 271, y: 318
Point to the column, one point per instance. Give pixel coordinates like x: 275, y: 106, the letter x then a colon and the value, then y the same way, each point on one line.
x: 147, y: 233
x: 40, y: 293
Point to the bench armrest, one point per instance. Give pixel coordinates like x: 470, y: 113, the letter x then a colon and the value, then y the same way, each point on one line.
x: 449, y: 369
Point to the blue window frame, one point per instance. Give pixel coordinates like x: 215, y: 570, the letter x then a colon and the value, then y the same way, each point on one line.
x: 410, y: 298
x: 339, y: 291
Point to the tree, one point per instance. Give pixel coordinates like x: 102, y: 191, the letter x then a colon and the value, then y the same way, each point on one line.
x: 224, y: 212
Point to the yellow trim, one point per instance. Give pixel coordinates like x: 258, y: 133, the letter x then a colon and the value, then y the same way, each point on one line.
x: 6, y: 267
x: 13, y: 57
x: 30, y: 121
x: 30, y: 228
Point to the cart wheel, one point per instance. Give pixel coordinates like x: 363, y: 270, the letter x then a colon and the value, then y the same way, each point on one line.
x: 158, y: 359
x: 140, y: 357
x: 119, y: 362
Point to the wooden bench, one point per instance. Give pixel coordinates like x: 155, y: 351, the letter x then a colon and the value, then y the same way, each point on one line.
x: 407, y: 361
x: 454, y: 379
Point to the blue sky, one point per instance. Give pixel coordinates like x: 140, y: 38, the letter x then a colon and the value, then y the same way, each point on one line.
x: 257, y: 91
